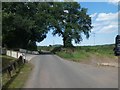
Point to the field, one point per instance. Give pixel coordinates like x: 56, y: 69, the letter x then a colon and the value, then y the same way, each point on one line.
x: 86, y: 51
x: 94, y: 54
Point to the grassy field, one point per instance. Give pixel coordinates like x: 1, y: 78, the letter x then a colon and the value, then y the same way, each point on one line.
x: 81, y: 53
x: 74, y: 56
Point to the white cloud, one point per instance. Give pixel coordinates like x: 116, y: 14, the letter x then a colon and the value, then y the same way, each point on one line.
x: 93, y: 15
x: 107, y: 16
x: 108, y: 29
x: 105, y: 22
x: 114, y: 1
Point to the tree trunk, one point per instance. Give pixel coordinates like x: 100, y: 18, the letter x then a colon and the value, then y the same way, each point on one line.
x: 67, y: 42
x: 64, y: 40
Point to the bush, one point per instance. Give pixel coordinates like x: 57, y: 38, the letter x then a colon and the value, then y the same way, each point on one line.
x: 56, y: 49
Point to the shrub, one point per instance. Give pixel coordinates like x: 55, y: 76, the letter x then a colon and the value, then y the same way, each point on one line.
x: 56, y: 49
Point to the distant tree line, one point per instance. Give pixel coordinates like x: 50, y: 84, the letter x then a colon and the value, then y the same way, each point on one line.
x: 25, y: 23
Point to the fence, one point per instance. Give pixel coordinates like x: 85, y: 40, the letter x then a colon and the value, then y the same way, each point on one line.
x: 29, y: 52
x: 21, y: 52
x: 14, y: 54
x: 11, y: 70
x: 13, y: 66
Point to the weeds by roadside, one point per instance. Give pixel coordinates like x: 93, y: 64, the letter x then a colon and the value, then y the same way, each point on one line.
x: 18, y: 80
x: 81, y: 53
x: 19, y: 76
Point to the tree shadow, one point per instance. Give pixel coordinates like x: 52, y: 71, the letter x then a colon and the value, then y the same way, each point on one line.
x: 46, y: 53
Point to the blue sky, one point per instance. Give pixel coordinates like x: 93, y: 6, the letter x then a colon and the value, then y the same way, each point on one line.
x: 104, y: 22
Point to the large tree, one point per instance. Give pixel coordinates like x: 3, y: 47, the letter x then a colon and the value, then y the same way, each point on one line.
x: 24, y: 24
x: 71, y: 21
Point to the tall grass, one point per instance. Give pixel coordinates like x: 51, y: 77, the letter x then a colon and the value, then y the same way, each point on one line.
x: 85, y: 52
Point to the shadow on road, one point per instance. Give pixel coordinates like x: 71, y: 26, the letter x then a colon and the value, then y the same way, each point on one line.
x: 46, y: 53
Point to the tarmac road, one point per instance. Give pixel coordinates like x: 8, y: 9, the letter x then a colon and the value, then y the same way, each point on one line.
x: 50, y: 71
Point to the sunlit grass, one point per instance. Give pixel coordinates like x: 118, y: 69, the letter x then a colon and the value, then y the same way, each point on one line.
x: 81, y: 53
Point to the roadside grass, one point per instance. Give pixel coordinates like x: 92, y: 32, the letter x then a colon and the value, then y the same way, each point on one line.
x: 19, y: 76
x: 74, y: 56
x: 82, y: 53
x: 6, y: 60
x: 18, y: 80
x: 101, y: 50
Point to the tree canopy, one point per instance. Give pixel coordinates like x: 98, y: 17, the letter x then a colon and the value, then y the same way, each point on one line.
x: 25, y: 23
x: 71, y: 22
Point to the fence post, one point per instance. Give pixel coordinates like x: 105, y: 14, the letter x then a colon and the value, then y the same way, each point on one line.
x: 9, y: 72
x: 17, y: 54
x: 10, y: 52
x: 14, y: 67
x: 24, y: 61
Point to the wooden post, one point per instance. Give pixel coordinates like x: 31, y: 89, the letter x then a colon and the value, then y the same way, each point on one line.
x: 17, y: 54
x: 118, y: 71
x: 14, y: 68
x: 118, y: 62
x: 9, y: 73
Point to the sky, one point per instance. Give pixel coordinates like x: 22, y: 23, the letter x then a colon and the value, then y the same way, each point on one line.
x: 104, y: 21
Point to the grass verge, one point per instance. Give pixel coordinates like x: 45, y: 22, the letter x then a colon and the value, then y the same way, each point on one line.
x: 76, y: 56
x: 85, y: 53
x: 18, y: 80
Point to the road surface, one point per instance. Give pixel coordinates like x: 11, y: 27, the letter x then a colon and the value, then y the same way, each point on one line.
x: 50, y: 71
